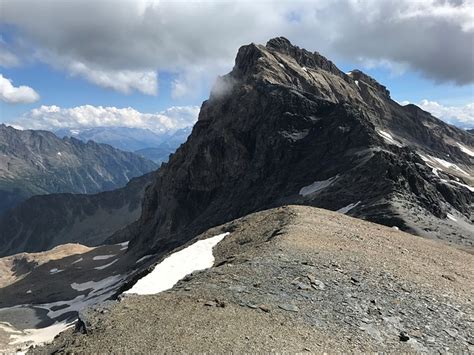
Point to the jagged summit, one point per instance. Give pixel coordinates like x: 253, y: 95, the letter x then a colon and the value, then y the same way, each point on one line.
x: 286, y: 126
x: 302, y: 56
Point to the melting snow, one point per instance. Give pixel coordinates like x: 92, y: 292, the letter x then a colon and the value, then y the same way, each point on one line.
x: 388, y: 138
x: 357, y: 83
x: 348, y: 207
x: 317, y: 186
x: 448, y: 165
x: 445, y: 164
x: 106, y: 265
x: 451, y: 217
x: 77, y: 261
x: 41, y: 335
x: 465, y: 150
x: 166, y: 274
x: 103, y: 257
x: 143, y: 258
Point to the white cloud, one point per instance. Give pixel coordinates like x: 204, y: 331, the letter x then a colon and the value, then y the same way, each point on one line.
x: 55, y: 117
x: 16, y: 95
x: 120, y: 80
x: 461, y: 116
x: 142, y: 37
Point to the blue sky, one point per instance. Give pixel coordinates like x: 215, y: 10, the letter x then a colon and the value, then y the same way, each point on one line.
x: 153, y: 56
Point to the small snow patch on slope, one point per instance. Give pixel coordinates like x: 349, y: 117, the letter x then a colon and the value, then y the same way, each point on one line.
x: 103, y: 257
x: 348, y: 207
x: 388, y: 138
x: 41, y: 335
x: 465, y: 150
x: 143, y: 258
x: 165, y: 275
x: 317, y: 186
x: 106, y: 265
x: 451, y: 217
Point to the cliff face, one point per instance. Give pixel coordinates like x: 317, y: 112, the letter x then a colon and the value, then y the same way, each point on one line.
x: 43, y: 222
x: 287, y: 126
x: 38, y: 162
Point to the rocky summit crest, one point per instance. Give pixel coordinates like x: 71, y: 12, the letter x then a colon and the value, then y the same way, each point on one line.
x: 287, y: 126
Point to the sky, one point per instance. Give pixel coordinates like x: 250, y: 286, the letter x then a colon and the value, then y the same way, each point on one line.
x: 151, y: 63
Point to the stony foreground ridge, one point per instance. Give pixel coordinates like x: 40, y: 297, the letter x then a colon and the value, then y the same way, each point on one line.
x: 298, y: 279
x: 287, y: 126
x: 38, y: 162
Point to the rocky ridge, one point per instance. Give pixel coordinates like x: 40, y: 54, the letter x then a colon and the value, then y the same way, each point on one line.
x: 297, y: 279
x: 287, y: 126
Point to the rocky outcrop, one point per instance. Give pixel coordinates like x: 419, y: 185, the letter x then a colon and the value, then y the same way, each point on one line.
x: 286, y: 126
x: 45, y: 221
x: 38, y: 163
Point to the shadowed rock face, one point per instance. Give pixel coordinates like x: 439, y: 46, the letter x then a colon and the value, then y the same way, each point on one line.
x: 38, y: 163
x: 45, y: 221
x: 285, y: 118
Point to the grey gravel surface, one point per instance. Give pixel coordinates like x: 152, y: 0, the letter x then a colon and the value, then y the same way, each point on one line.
x: 298, y: 279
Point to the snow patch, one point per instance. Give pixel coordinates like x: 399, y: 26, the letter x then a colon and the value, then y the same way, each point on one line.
x: 465, y: 150
x: 388, y: 138
x: 77, y: 261
x: 304, y: 69
x: 281, y: 65
x: 41, y: 335
x: 106, y: 265
x: 103, y: 257
x: 357, y: 83
x: 431, y: 161
x: 347, y: 208
x: 143, y: 258
x: 317, y: 186
x: 59, y: 153
x: 448, y: 165
x: 55, y: 271
x: 451, y: 217
x: 166, y: 274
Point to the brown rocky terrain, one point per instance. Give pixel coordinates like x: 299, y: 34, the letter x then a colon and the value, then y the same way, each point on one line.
x: 298, y: 279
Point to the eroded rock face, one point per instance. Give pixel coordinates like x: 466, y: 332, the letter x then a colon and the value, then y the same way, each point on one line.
x: 285, y: 118
x: 45, y: 221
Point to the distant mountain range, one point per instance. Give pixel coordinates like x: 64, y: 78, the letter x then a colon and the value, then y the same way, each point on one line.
x: 146, y: 143
x: 38, y: 162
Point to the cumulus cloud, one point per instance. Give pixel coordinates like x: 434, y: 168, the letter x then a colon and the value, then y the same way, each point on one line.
x: 16, y: 94
x: 460, y: 116
x: 87, y: 116
x: 124, y: 81
x: 142, y: 37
